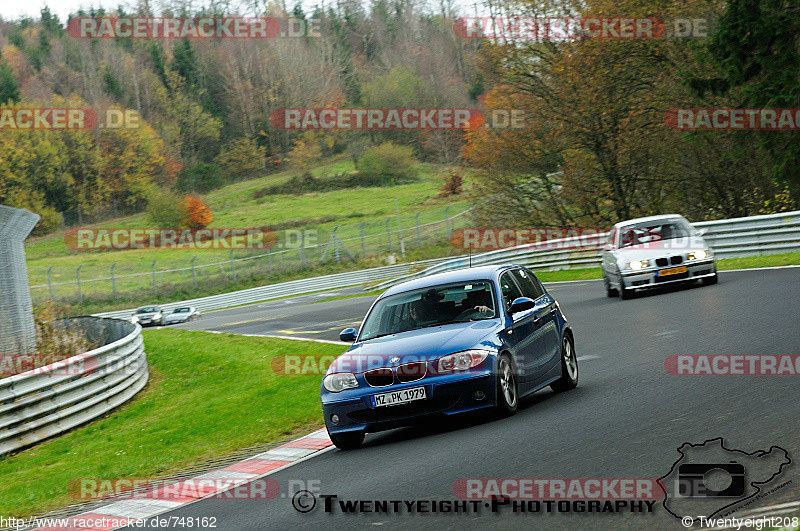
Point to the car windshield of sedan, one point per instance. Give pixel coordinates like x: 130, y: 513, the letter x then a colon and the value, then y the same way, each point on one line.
x: 433, y: 306
x: 181, y: 310
x: 148, y: 309
x: 650, y: 232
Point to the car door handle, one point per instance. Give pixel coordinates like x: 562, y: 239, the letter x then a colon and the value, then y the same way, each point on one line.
x: 535, y: 319
x: 553, y: 309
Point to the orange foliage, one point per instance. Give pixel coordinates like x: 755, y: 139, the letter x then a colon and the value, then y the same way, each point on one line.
x: 198, y: 215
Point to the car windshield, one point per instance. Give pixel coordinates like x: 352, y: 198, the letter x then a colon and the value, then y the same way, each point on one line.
x: 432, y: 306
x: 147, y: 309
x: 653, y: 231
x: 181, y: 310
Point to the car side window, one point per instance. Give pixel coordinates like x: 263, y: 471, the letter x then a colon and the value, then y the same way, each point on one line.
x: 528, y: 283
x: 611, y: 236
x: 509, y: 289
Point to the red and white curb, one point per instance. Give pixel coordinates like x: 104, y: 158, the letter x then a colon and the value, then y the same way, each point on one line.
x: 128, y: 511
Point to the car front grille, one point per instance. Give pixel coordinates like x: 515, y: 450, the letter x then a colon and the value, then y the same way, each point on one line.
x: 676, y: 260
x: 379, y: 377
x: 412, y: 409
x: 661, y: 262
x: 411, y: 372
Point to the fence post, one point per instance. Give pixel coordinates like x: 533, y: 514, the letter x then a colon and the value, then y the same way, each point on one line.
x: 155, y: 283
x: 302, y: 249
x: 50, y: 282
x: 389, y: 234
x: 233, y: 265
x: 113, y: 281
x: 269, y: 262
x: 447, y: 219
x: 335, y: 244
x: 194, y: 273
x: 419, y: 237
x: 363, y: 245
x: 78, y: 278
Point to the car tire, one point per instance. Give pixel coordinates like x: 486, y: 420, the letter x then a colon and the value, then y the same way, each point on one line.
x: 623, y: 293
x: 710, y: 281
x: 610, y: 292
x: 347, y: 441
x: 569, y: 367
x: 507, y: 386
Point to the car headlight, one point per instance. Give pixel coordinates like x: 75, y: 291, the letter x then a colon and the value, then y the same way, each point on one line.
x: 339, y: 381
x: 157, y: 316
x: 699, y: 255
x: 134, y: 319
x: 461, y: 361
x: 639, y: 264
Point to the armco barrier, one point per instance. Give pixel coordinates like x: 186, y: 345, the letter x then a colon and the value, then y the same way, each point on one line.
x: 50, y: 400
x: 729, y: 238
x: 293, y: 287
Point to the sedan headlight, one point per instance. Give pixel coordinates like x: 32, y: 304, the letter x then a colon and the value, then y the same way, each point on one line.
x: 339, y: 381
x: 699, y: 255
x: 461, y: 361
x: 639, y: 264
x: 134, y: 319
x: 157, y: 316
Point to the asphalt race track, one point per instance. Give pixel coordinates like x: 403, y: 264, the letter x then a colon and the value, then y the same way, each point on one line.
x: 626, y: 419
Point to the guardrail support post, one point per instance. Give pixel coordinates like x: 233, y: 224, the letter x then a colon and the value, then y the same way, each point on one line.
x: 78, y: 280
x: 17, y: 329
x: 194, y: 273
x: 113, y: 281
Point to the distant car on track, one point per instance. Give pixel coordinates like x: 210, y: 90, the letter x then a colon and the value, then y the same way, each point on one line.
x: 148, y: 316
x: 654, y: 251
x: 455, y: 342
x: 182, y: 315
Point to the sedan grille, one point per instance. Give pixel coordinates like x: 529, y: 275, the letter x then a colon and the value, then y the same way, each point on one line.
x: 676, y: 260
x: 411, y: 372
x: 379, y: 377
x: 661, y: 262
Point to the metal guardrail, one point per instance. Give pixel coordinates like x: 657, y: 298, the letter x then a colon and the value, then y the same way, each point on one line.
x: 293, y: 287
x: 729, y: 238
x: 38, y: 404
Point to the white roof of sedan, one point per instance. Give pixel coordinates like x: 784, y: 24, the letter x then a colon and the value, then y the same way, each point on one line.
x: 648, y: 218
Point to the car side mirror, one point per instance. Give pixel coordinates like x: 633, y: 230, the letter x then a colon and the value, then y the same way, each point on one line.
x: 521, y: 304
x: 348, y: 335
x: 608, y: 247
x: 702, y: 232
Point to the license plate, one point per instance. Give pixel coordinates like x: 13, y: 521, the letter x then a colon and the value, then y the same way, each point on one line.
x: 398, y: 397
x: 672, y: 271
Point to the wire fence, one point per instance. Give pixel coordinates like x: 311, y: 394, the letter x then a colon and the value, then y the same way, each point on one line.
x: 303, y: 248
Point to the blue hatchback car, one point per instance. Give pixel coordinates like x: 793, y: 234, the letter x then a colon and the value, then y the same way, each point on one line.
x: 450, y: 343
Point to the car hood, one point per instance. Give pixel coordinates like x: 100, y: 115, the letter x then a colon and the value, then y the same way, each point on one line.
x: 177, y: 317
x: 658, y: 249
x: 145, y: 315
x: 415, y: 345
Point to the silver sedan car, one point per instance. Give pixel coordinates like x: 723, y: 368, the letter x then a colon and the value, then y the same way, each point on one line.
x: 182, y: 315
x: 655, y: 251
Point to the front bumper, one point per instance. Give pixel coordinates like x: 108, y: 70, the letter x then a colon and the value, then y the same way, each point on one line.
x: 648, y: 278
x: 445, y: 395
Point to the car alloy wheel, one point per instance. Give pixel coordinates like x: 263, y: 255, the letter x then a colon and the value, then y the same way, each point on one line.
x: 569, y: 367
x: 610, y: 292
x: 507, y: 390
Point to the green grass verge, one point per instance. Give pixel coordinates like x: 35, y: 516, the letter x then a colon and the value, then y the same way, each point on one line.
x: 208, y: 396
x: 724, y: 264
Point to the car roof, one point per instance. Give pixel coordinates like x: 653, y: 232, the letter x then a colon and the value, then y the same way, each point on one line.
x: 648, y: 218
x: 459, y: 275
